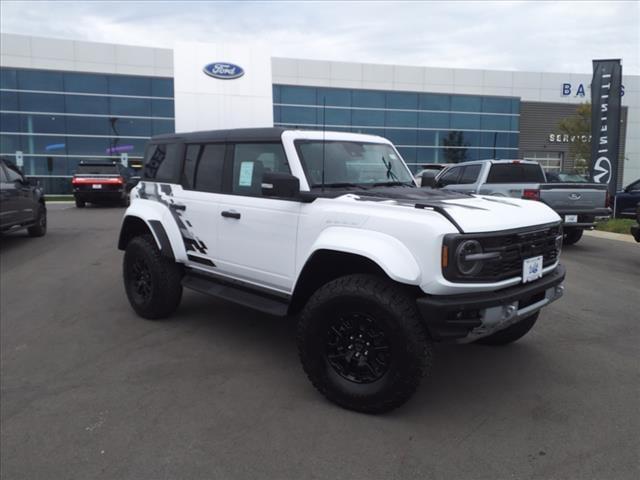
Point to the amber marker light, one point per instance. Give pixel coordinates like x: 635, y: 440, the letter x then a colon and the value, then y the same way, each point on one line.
x: 445, y: 256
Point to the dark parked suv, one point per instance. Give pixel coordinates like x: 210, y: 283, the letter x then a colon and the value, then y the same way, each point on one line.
x: 22, y: 203
x: 97, y: 182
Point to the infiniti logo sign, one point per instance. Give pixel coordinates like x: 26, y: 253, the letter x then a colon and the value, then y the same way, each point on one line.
x: 223, y: 70
x: 602, y: 170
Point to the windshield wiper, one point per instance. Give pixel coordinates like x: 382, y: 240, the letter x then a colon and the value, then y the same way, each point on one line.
x: 389, y: 167
x: 393, y: 184
x: 339, y: 185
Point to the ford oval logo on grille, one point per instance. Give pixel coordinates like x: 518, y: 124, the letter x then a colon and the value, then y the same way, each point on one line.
x: 223, y: 71
x: 575, y: 196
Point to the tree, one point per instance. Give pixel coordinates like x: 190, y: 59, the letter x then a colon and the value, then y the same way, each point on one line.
x: 578, y: 128
x: 455, y: 155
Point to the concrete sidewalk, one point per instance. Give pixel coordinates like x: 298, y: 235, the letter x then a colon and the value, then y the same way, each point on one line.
x: 610, y: 236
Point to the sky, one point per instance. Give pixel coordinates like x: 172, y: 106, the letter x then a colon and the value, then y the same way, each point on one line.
x: 526, y: 36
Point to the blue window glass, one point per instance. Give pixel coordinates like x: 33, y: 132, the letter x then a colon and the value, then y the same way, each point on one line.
x: 9, y: 122
x: 162, y: 87
x: 496, y: 122
x: 43, y: 144
x: 380, y: 132
x: 299, y: 115
x: 466, y: 103
x: 43, y: 124
x: 88, y: 125
x: 9, y: 144
x: 401, y: 119
x: 298, y: 95
x: 515, y: 123
x: 276, y: 93
x: 86, y: 104
x: 486, y: 154
x: 434, y: 120
x: 434, y: 101
x: 41, y: 102
x: 130, y: 106
x: 335, y: 116
x: 372, y: 118
x: 8, y: 101
x: 489, y: 139
x: 466, y: 121
x: 276, y: 114
x: 40, y: 80
x: 507, y: 140
x: 506, y: 154
x: 471, y: 138
x: 401, y: 137
x: 340, y: 97
x: 368, y: 99
x: 496, y: 105
x: 515, y: 105
x: 162, y: 108
x: 137, y: 127
x: 8, y: 78
x: 129, y: 85
x: 402, y: 100
x: 88, y: 146
x: 163, y: 126
x: 425, y: 155
x: 408, y: 154
x: 85, y: 83
x: 472, y: 154
x: 427, y: 137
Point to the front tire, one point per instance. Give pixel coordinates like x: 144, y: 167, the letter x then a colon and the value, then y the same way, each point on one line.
x: 153, y: 283
x: 572, y: 236
x: 362, y: 343
x: 39, y: 229
x: 511, y: 333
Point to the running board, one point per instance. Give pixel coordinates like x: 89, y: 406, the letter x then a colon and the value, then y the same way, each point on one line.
x: 239, y: 294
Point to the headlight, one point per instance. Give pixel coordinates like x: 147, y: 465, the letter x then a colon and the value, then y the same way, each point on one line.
x: 469, y: 257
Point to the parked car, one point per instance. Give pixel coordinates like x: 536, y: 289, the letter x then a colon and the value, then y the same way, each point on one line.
x: 22, y: 203
x: 578, y: 204
x: 100, y: 182
x: 635, y: 229
x: 330, y: 227
x: 429, y: 170
x: 626, y: 200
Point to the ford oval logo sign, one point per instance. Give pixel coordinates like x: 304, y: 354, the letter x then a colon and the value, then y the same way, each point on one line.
x: 223, y: 71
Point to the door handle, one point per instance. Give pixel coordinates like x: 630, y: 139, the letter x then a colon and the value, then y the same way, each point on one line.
x: 178, y: 206
x: 230, y: 214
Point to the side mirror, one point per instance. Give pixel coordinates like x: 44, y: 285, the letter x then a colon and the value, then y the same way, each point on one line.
x: 283, y: 185
x: 428, y: 180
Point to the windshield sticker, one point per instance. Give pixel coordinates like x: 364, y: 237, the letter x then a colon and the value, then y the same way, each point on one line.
x: 393, y: 156
x: 246, y: 174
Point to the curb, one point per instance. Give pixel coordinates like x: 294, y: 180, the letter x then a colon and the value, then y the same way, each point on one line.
x: 621, y: 237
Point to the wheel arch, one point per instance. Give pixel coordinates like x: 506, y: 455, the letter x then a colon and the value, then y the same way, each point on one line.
x: 134, y: 226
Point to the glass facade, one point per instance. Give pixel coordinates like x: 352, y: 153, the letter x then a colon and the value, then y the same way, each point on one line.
x: 57, y: 119
x: 425, y: 127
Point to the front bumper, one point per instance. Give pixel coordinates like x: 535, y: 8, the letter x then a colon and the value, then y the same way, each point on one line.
x: 586, y: 218
x: 467, y: 317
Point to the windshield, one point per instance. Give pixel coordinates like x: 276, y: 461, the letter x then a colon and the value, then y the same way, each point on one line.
x: 351, y: 164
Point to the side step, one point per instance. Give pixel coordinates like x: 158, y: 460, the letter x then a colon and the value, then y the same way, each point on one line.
x: 240, y: 294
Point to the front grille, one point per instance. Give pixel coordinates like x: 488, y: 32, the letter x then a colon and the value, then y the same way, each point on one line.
x: 516, y: 247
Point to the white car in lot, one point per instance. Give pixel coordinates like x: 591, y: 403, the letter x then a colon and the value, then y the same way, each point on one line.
x: 331, y: 227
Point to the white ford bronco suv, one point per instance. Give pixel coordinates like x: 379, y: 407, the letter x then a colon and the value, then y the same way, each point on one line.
x: 331, y: 227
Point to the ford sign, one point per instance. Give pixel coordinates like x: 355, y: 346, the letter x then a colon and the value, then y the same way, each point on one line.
x: 223, y: 71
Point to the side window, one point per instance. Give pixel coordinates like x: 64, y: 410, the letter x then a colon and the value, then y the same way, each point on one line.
x: 251, y: 161
x: 162, y: 163
x: 189, y: 169
x: 635, y: 187
x: 208, y: 176
x: 469, y: 174
x: 450, y: 176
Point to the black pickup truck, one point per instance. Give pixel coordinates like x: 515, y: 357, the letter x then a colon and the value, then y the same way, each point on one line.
x: 98, y: 182
x: 21, y: 202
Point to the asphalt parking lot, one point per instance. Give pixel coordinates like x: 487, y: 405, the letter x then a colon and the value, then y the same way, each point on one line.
x: 89, y: 390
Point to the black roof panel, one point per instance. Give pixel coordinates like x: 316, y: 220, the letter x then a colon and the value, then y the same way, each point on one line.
x: 232, y: 135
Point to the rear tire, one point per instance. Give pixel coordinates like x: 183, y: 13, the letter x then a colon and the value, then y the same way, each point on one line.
x: 362, y: 343
x: 572, y: 236
x: 80, y: 203
x: 512, y: 333
x: 152, y: 282
x: 40, y: 227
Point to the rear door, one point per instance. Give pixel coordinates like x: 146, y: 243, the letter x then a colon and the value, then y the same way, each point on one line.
x: 257, y: 234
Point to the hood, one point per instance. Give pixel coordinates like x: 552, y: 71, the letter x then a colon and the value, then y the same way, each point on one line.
x: 469, y: 213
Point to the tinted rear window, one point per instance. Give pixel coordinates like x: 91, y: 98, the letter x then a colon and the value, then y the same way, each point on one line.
x: 515, y: 173
x: 97, y: 169
x: 163, y: 163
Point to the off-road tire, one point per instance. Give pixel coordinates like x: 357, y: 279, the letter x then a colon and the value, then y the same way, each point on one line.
x: 512, y: 333
x: 80, y: 203
x: 163, y: 292
x: 572, y: 236
x: 39, y: 229
x: 395, y: 311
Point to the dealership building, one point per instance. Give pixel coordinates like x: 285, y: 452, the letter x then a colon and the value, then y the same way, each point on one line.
x: 63, y: 101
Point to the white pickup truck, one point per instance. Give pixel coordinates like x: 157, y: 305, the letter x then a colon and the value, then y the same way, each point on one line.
x: 331, y: 228
x: 578, y: 204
